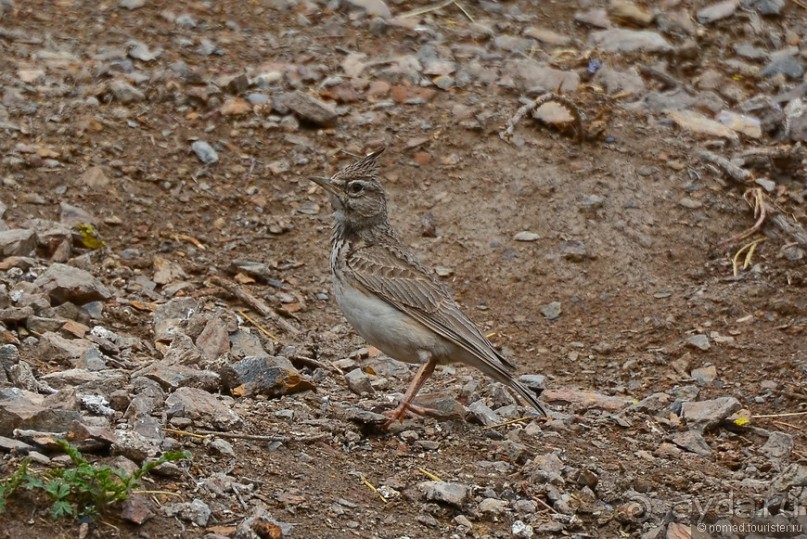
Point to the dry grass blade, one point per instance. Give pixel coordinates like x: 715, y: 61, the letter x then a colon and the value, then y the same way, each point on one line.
x: 428, y: 474
x: 509, y: 422
x: 424, y: 10
x: 371, y: 487
x: 209, y: 433
x: 763, y: 207
x: 748, y: 249
x: 436, y: 7
x: 784, y: 414
x: 257, y: 325
x: 786, y: 424
x: 179, y: 432
x: 464, y: 11
x: 157, y: 492
x: 190, y: 239
x: 760, y: 212
x: 117, y: 530
x: 241, y: 436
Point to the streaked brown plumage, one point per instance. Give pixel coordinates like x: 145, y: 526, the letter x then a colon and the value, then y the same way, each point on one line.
x: 390, y: 299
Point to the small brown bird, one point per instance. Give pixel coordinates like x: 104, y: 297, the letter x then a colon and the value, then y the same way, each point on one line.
x: 390, y: 299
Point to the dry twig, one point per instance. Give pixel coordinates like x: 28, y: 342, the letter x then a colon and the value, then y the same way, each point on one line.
x: 266, y: 438
x: 255, y: 303
x: 180, y: 432
x: 735, y: 173
x: 436, y: 7
x: 791, y: 227
x: 666, y: 79
x: 314, y: 364
x: 546, y: 505
x: 205, y: 434
x: 509, y: 422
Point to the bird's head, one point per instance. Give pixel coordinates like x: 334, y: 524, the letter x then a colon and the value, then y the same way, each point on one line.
x: 357, y: 197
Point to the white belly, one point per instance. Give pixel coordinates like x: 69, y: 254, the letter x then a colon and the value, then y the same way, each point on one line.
x: 388, y: 329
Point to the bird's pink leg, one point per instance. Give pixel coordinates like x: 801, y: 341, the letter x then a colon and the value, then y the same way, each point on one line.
x: 405, y: 405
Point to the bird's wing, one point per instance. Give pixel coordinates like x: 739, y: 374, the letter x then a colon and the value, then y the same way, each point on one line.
x: 400, y: 281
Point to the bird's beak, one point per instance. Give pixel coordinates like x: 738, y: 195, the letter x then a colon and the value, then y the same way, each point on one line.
x: 325, y: 183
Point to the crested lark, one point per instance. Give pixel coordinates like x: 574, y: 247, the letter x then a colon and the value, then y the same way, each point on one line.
x: 390, y: 299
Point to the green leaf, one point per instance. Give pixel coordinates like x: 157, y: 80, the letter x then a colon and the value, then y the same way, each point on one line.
x: 33, y: 482
x: 168, y: 456
x: 74, y: 454
x: 83, y: 489
x: 62, y: 508
x: 57, y: 488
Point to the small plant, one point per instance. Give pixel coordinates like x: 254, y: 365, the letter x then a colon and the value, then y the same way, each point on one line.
x: 83, y: 489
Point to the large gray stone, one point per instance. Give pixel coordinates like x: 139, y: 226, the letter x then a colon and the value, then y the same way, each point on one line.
x: 54, y: 347
x: 483, y: 414
x: 66, y: 283
x: 263, y: 375
x: 623, y: 40
x: 109, y: 379
x: 214, y: 341
x: 17, y: 242
x: 244, y: 343
x: 702, y: 415
x: 201, y: 407
x: 443, y: 491
x: 531, y: 74
x: 172, y: 376
x: 794, y: 476
x: 358, y: 382
x: 692, y: 441
x: 22, y: 376
x: 134, y: 446
x: 374, y: 8
x: 24, y: 414
x: 9, y: 356
x: 779, y: 445
x: 717, y: 11
x: 309, y: 109
x: 197, y: 512
x: 170, y: 317
x: 15, y: 315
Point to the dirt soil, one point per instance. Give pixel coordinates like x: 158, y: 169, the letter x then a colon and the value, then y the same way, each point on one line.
x: 650, y: 276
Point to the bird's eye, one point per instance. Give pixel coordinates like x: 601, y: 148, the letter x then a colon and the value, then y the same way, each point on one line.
x: 355, y: 188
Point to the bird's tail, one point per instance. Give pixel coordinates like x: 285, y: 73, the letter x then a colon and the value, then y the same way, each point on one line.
x: 528, y: 395
x: 501, y: 370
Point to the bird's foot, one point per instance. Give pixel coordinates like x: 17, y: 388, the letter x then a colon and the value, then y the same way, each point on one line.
x: 399, y: 413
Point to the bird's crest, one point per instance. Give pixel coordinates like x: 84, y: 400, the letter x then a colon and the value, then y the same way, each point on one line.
x: 366, y: 167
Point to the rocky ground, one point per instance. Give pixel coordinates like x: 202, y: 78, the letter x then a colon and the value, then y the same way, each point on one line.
x: 636, y: 245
